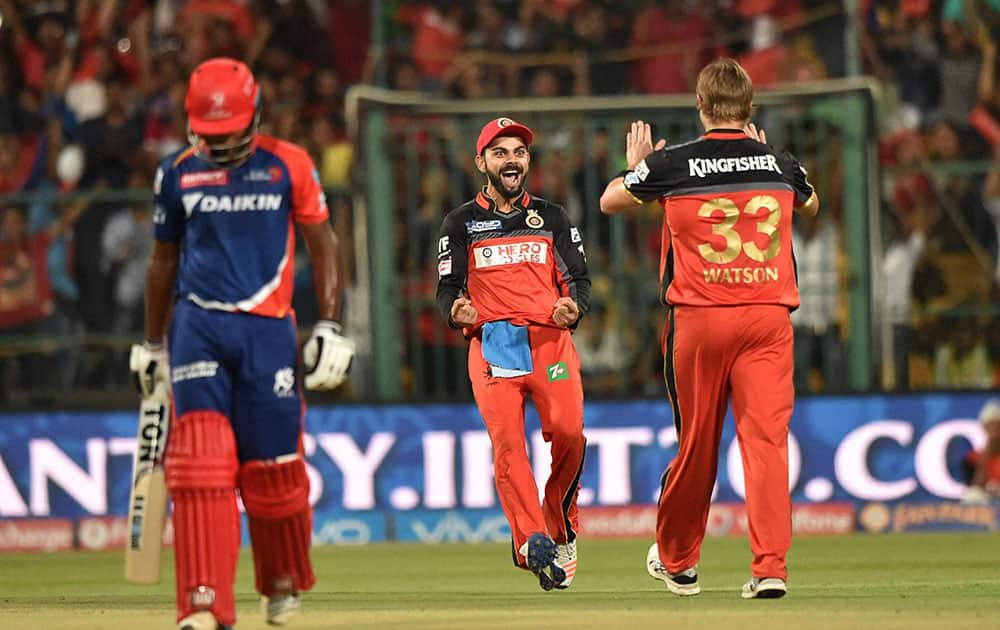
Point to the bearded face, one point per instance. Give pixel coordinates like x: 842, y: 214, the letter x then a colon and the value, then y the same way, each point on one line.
x: 506, y: 163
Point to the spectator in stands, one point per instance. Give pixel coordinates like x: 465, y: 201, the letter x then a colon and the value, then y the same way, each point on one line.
x: 818, y: 345
x: 437, y: 37
x: 981, y: 467
x: 901, y: 48
x: 959, y: 63
x: 603, y: 354
x: 962, y: 360
x: 907, y: 241
x: 27, y: 302
x: 991, y: 200
x: 679, y: 34
x: 127, y: 243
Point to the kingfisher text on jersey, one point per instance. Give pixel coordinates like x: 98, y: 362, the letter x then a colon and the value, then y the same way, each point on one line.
x: 235, y: 225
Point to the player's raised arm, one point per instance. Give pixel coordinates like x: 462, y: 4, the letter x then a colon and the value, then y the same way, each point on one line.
x: 629, y: 189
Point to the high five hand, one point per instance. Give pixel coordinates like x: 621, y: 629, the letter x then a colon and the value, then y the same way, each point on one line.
x: 639, y: 143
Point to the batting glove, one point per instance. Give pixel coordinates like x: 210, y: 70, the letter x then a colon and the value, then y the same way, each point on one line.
x: 327, y: 356
x: 149, y: 365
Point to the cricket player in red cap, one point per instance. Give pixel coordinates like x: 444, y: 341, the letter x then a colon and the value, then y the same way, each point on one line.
x: 225, y: 214
x: 513, y: 275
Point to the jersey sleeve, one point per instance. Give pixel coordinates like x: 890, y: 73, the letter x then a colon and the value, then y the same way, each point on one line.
x: 571, y: 263
x: 650, y: 179
x: 797, y: 176
x: 308, y: 198
x: 169, y: 217
x: 452, y: 263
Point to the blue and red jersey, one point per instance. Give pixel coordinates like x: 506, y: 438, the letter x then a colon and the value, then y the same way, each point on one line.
x: 235, y: 224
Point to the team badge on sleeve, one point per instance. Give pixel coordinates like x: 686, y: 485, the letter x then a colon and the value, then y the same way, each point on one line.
x: 641, y: 170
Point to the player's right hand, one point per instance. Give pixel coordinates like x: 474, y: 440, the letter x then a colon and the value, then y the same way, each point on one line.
x: 639, y: 143
x: 149, y: 364
x: 326, y: 356
x: 463, y: 312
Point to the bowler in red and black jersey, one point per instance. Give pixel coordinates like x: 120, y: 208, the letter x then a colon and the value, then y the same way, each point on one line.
x: 728, y: 278
x: 513, y: 274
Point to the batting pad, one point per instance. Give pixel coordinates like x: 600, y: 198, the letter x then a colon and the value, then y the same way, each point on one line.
x: 201, y: 467
x: 276, y: 497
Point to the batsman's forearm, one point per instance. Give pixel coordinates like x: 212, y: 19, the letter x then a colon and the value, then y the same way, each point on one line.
x: 161, y: 274
x: 328, y: 274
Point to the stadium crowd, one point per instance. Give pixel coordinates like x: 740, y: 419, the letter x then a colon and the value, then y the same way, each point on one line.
x: 91, y: 98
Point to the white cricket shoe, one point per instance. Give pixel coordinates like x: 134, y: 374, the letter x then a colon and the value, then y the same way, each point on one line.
x: 764, y: 588
x: 203, y: 620
x: 566, y: 558
x: 683, y: 584
x: 280, y: 609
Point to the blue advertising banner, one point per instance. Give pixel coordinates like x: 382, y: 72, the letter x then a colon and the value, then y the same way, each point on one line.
x: 414, y: 463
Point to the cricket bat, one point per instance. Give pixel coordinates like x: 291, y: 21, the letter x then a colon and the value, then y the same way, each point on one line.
x: 147, y: 508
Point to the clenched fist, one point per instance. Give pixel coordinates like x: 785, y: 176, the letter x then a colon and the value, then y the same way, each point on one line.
x: 565, y: 312
x: 463, y: 312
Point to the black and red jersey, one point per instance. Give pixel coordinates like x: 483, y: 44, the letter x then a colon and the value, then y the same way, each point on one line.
x: 727, y: 226
x: 513, y: 266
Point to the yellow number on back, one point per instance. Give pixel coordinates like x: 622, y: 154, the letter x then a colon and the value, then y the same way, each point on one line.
x: 730, y: 214
x: 734, y: 244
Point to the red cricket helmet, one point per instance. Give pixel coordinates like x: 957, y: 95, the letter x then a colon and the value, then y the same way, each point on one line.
x: 222, y: 99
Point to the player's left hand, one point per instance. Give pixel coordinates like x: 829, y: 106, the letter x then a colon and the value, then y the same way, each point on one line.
x: 754, y: 133
x: 565, y: 312
x: 639, y: 143
x: 327, y: 356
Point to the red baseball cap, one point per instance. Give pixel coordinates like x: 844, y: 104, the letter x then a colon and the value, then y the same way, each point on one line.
x: 502, y: 127
x: 221, y: 98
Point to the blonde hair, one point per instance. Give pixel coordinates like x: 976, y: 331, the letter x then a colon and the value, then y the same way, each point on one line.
x: 726, y: 91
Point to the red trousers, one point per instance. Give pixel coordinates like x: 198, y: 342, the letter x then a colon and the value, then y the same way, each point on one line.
x: 557, y: 392
x: 712, y: 354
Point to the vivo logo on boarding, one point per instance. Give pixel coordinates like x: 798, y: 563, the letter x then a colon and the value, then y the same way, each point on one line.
x: 284, y: 382
x: 230, y: 203
x: 453, y: 527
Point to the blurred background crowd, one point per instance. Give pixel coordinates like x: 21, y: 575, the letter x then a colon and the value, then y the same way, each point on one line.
x: 91, y: 98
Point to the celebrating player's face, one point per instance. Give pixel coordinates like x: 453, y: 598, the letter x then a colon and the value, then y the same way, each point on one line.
x: 505, y: 163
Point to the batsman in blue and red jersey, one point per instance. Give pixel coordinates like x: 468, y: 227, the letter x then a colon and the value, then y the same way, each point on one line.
x: 223, y: 258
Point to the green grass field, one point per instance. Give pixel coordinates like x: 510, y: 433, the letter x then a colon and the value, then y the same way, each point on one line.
x: 907, y: 581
